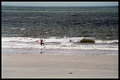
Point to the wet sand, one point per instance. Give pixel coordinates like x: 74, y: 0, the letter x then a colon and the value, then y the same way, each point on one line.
x: 59, y: 66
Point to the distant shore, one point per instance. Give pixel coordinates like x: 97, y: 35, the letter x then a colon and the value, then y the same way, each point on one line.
x: 59, y: 66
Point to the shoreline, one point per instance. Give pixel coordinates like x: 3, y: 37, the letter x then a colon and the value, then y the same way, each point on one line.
x: 59, y: 66
x: 58, y: 51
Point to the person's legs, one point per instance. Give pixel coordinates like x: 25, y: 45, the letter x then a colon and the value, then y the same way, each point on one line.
x: 41, y: 44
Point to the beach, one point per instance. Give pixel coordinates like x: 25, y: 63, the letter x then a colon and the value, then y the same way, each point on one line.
x: 23, y: 57
x: 79, y: 41
x: 59, y: 66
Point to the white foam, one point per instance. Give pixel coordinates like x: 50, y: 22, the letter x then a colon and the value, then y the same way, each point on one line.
x: 22, y: 29
x: 106, y: 41
x: 22, y: 42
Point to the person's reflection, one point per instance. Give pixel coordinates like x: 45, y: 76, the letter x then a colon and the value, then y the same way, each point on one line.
x: 41, y: 51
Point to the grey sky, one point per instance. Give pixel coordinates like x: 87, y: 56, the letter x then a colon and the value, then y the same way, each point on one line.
x: 60, y: 3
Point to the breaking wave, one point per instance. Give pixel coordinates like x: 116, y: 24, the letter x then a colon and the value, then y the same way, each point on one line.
x: 58, y: 43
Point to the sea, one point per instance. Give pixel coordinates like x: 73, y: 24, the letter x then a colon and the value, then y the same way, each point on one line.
x: 61, y: 28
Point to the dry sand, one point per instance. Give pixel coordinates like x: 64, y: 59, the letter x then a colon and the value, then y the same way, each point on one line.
x: 59, y: 66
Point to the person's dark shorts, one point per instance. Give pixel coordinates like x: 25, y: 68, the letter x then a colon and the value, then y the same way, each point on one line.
x: 42, y: 43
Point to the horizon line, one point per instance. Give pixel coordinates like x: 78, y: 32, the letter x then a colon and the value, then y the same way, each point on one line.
x: 63, y: 6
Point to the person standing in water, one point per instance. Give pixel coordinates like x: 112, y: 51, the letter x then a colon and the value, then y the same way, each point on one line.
x: 41, y: 42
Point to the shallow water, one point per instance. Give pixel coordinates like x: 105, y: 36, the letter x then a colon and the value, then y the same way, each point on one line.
x: 57, y: 51
x: 57, y: 46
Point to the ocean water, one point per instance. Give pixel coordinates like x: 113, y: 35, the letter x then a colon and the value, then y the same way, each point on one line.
x: 23, y: 27
x: 45, y: 22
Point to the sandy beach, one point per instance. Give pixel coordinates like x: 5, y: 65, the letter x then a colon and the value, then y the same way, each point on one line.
x: 59, y: 66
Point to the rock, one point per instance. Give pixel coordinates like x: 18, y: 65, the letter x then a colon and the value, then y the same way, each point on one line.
x: 87, y: 41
